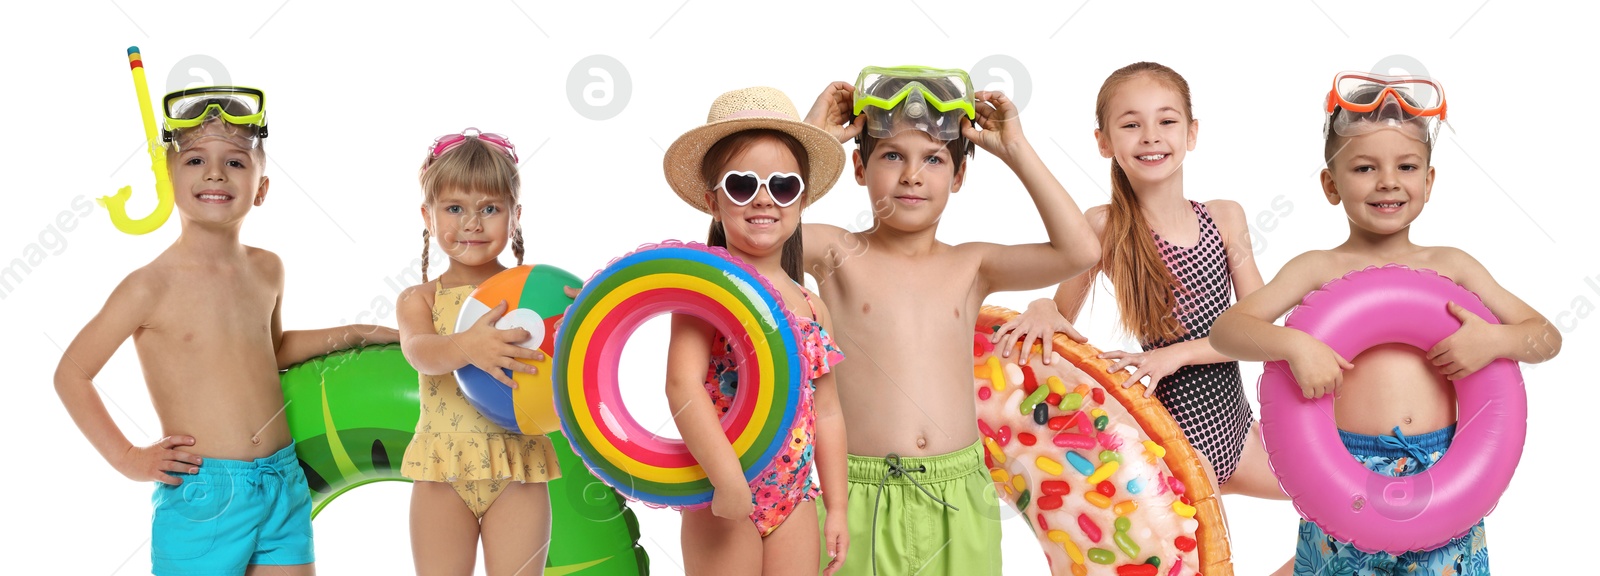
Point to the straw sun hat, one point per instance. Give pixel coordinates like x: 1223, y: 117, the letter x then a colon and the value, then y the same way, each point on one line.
x: 750, y: 109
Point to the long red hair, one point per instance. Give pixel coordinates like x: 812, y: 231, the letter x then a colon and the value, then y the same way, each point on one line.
x: 1139, y: 277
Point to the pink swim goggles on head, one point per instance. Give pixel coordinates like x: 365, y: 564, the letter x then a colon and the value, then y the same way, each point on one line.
x: 447, y: 142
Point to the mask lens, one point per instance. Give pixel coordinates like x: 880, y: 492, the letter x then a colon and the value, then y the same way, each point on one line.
x: 1367, y: 90
x: 1424, y: 95
x: 192, y: 106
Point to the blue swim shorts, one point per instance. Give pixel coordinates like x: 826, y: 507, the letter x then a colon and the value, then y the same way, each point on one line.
x: 1319, y: 554
x: 232, y: 514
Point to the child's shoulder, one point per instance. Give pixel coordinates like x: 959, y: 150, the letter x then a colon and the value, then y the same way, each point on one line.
x: 1313, y: 268
x: 420, y: 289
x: 144, y: 290
x: 142, y: 284
x: 1447, y: 260
x: 824, y: 236
x: 1097, y: 217
x: 1230, y: 221
x: 1225, y: 211
x: 1452, y: 262
x: 820, y: 237
x: 258, y: 261
x: 421, y: 293
x: 267, y: 261
x: 262, y: 255
x: 265, y: 266
x: 1449, y: 255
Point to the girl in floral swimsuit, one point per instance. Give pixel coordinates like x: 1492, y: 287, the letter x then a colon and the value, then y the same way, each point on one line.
x: 753, y: 166
x: 790, y: 473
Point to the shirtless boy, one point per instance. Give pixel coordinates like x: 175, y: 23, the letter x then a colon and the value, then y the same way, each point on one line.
x: 905, y: 304
x: 205, y: 319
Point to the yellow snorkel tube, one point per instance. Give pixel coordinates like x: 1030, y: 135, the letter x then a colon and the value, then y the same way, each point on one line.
x: 116, y: 204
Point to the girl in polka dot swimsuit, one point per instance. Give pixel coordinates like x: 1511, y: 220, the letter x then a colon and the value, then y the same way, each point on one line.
x: 1172, y: 263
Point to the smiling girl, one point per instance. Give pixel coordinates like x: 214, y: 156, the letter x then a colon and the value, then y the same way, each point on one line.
x: 753, y: 166
x: 472, y: 478
x: 1172, y: 263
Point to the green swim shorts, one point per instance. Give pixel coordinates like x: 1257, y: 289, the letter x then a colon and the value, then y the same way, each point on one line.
x: 916, y: 533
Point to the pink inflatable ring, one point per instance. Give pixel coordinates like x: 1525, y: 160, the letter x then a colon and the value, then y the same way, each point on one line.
x: 1392, y: 304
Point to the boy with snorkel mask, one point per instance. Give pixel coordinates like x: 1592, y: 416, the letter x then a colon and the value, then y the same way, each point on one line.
x: 920, y: 496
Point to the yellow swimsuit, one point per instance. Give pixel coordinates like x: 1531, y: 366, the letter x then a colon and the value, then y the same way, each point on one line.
x: 456, y: 444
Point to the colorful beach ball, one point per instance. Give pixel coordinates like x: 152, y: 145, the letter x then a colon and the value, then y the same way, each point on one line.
x: 535, y: 302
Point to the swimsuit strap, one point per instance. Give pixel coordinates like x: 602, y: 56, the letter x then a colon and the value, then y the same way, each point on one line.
x: 807, y: 295
x: 896, y: 469
x: 438, y: 286
x: 1208, y: 225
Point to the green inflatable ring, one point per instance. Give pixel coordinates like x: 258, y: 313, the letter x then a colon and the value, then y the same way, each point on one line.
x: 352, y: 414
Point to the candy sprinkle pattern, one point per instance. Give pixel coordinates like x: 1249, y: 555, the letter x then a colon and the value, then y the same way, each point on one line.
x: 1098, y: 488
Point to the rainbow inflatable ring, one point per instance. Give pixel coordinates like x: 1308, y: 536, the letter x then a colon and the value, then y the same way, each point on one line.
x: 682, y: 278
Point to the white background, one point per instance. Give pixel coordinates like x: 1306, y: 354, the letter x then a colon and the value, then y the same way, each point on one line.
x: 356, y: 95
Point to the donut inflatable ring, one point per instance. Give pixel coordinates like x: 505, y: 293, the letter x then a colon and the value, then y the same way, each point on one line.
x: 681, y: 278
x: 1392, y: 304
x: 536, y: 302
x: 1103, y: 475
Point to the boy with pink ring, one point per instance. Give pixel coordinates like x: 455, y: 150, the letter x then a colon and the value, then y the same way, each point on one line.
x: 1396, y: 407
